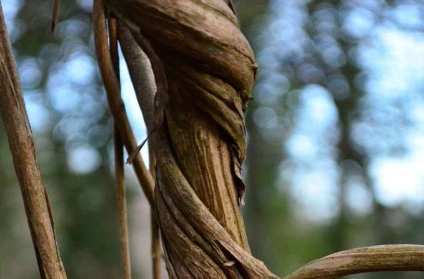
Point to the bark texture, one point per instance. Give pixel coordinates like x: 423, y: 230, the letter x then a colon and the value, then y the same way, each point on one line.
x: 365, y: 259
x: 116, y: 105
x: 21, y: 145
x: 200, y: 146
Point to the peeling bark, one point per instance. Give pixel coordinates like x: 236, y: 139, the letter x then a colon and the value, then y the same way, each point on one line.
x: 200, y: 147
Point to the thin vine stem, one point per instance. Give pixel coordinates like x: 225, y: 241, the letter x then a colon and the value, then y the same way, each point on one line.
x: 119, y: 165
x: 362, y: 260
x: 115, y: 102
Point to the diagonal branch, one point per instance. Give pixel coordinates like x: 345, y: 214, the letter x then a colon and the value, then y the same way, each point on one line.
x: 360, y: 260
x: 115, y: 102
x: 21, y: 145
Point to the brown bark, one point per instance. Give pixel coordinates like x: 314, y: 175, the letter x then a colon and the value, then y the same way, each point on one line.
x: 21, y: 145
x: 143, y: 81
x: 209, y: 72
x: 119, y: 166
x: 366, y: 259
x: 116, y: 104
x: 122, y: 207
x: 156, y: 251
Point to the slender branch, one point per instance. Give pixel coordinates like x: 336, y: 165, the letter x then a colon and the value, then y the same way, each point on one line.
x: 360, y: 260
x: 115, y: 102
x: 55, y: 15
x: 119, y: 165
x: 143, y: 81
x: 21, y: 145
x: 113, y: 44
x: 161, y: 97
x: 140, y: 71
x: 156, y: 252
x: 122, y: 208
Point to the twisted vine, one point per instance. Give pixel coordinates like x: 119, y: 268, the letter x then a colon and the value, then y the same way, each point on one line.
x: 200, y: 146
x: 203, y: 71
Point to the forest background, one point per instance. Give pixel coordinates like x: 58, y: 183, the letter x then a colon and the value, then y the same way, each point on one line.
x: 335, y: 134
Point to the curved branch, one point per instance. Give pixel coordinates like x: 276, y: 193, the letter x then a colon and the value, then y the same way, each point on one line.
x: 115, y: 102
x: 361, y: 260
x: 141, y: 73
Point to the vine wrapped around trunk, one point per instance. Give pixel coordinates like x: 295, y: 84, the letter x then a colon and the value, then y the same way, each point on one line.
x: 200, y: 146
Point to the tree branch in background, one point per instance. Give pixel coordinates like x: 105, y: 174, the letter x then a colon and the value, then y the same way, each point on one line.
x: 119, y: 165
x: 21, y: 145
x: 115, y: 102
x: 361, y: 260
x: 55, y: 15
